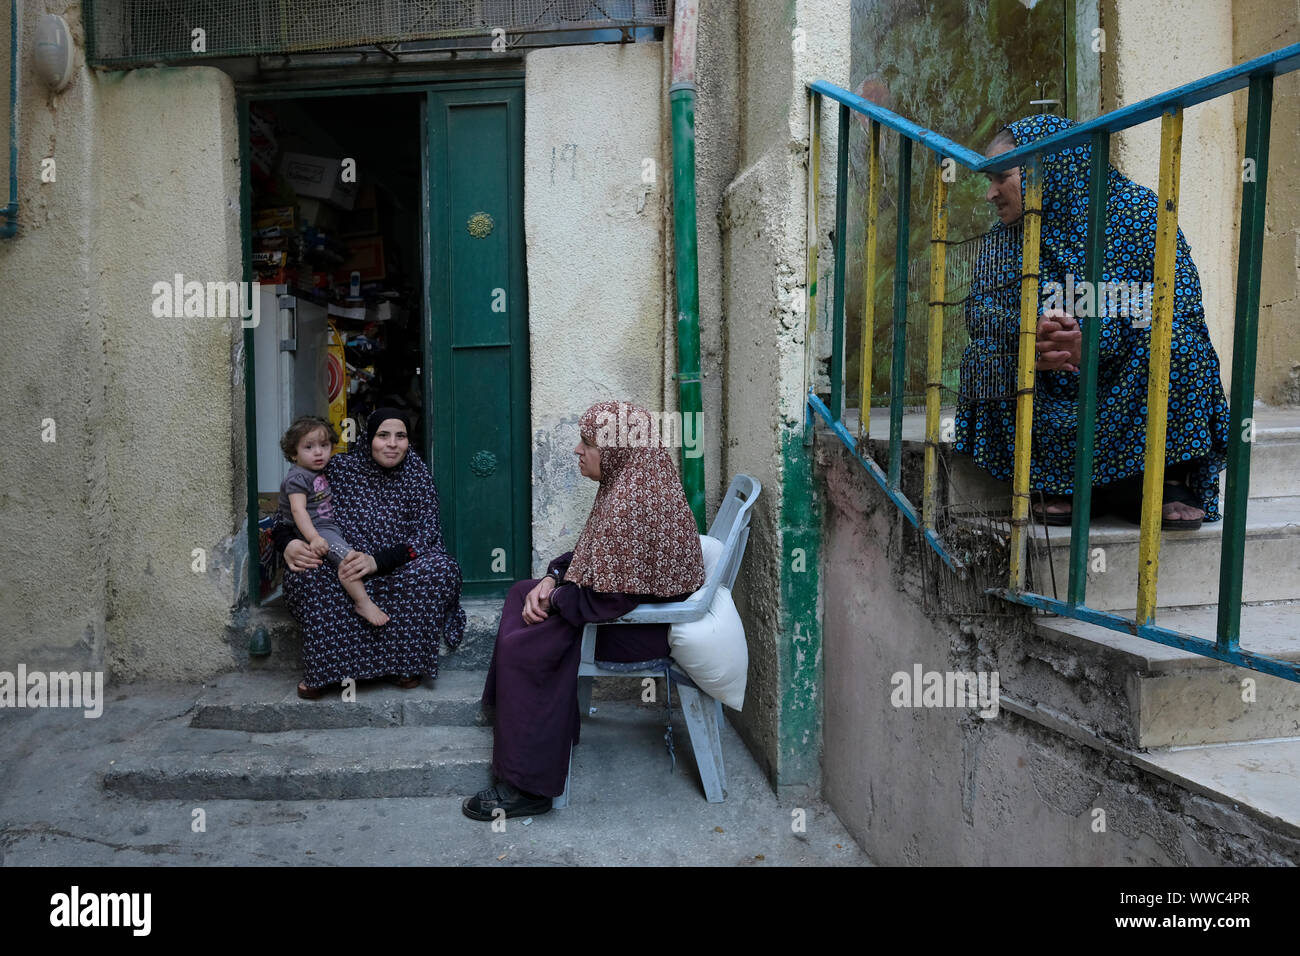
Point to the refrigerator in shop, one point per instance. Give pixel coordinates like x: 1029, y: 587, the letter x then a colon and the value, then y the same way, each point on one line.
x: 291, y: 369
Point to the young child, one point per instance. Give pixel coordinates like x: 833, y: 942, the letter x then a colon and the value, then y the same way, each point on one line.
x: 305, y: 502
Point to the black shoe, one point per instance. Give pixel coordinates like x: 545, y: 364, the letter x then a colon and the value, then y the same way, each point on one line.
x: 514, y: 802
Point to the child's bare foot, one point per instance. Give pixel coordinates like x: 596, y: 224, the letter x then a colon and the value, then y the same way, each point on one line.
x: 371, y: 612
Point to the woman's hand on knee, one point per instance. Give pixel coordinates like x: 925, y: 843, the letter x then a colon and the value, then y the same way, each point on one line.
x: 356, y: 566
x: 298, y: 556
x: 537, y: 605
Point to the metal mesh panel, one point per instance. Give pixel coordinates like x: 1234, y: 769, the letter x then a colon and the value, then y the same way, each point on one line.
x: 983, y: 298
x: 142, y: 31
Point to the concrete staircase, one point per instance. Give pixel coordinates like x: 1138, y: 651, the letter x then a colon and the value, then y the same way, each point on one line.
x: 1229, y: 733
x: 250, y: 737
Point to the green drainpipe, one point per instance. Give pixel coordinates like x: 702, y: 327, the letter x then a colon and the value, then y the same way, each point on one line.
x: 681, y: 98
x: 9, y: 225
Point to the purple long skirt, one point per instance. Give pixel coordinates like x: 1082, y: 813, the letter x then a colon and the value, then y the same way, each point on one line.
x: 533, y: 683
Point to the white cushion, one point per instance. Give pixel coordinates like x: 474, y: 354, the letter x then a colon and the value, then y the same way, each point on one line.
x: 712, y: 650
x: 712, y: 549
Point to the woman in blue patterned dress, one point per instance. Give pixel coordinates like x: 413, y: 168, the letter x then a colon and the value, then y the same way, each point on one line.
x: 1198, y: 426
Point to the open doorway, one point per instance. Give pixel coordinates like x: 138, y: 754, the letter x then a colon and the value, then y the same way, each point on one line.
x: 386, y: 231
x: 337, y: 229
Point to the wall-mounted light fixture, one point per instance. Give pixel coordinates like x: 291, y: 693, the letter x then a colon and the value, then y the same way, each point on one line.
x: 53, y: 51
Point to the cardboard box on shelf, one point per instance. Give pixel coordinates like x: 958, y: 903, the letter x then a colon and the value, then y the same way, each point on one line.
x: 281, y: 217
x: 318, y: 178
x: 367, y: 258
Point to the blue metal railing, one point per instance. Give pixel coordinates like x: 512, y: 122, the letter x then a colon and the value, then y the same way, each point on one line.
x: 1257, y: 75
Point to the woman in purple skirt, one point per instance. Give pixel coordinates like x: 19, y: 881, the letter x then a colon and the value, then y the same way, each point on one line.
x: 640, y: 544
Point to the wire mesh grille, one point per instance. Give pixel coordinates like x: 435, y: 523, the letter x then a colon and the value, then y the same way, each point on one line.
x: 983, y: 303
x: 980, y: 352
x: 138, y: 31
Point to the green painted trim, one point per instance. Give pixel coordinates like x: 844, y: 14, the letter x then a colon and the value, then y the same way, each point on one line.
x: 426, y: 277
x: 440, y: 390
x: 690, y: 397
x: 1087, y: 416
x: 1250, y: 253
x: 799, y: 721
x: 254, y: 577
x: 521, y: 380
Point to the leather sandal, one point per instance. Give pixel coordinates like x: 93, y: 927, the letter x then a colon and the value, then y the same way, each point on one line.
x: 406, y: 683
x: 310, y: 693
x: 1178, y: 492
x: 1057, y: 519
x: 514, y: 803
x: 1130, y: 508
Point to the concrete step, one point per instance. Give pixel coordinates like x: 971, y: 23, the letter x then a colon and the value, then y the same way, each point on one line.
x: 268, y: 702
x: 1260, y: 777
x: 1274, y: 458
x: 1145, y: 695
x: 1189, y: 560
x: 179, y: 762
x: 1275, y: 453
x: 474, y: 653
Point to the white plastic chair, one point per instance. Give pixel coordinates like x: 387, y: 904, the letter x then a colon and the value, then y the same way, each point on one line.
x: 703, y: 713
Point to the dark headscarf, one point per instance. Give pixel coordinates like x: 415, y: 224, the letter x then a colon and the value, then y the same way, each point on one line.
x: 381, y: 415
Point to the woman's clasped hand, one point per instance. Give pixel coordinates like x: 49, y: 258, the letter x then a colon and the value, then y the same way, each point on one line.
x: 1059, y: 342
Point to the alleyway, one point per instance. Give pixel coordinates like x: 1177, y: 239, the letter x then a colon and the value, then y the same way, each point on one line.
x: 627, y: 807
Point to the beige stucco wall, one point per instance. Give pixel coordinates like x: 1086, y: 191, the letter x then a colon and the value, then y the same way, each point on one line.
x: 1259, y: 27
x: 1193, y: 39
x: 53, y: 496
x: 595, y: 243
x: 100, y: 524
x: 763, y: 232
x: 172, y: 431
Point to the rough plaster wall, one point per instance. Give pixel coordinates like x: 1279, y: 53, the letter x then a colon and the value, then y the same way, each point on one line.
x: 934, y: 786
x: 53, y: 511
x: 763, y: 227
x: 167, y: 201
x: 1193, y: 39
x: 1259, y: 27
x: 595, y: 242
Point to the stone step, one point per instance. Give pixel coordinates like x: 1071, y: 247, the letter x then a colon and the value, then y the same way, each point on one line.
x: 1274, y: 458
x: 1189, y: 560
x: 1275, y: 453
x: 474, y: 653
x: 268, y: 702
x: 179, y: 762
x: 1145, y: 695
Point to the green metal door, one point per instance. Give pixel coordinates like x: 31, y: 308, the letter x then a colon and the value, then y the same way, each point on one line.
x: 477, y: 334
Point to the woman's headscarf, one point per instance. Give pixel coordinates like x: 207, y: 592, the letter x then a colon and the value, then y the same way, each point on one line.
x: 381, y: 415
x: 1130, y: 232
x: 640, y: 537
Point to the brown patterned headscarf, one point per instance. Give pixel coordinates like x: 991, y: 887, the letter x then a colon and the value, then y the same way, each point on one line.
x: 640, y: 537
